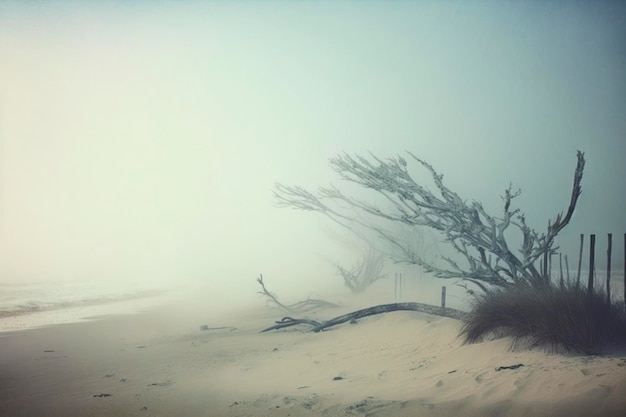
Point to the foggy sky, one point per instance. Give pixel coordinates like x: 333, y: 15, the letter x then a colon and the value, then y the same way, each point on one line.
x: 142, y: 140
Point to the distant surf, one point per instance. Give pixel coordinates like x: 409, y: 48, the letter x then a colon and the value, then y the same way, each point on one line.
x: 38, y: 304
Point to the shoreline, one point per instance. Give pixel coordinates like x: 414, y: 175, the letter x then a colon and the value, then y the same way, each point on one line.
x: 76, y: 312
x: 74, y: 304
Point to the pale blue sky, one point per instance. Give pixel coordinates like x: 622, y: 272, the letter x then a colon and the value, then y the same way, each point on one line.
x: 143, y: 140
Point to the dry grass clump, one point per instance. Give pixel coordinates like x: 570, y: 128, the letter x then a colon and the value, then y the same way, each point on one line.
x: 553, y: 317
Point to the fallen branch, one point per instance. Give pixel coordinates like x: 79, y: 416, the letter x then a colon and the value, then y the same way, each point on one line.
x: 288, y: 322
x: 299, y: 307
x: 272, y: 296
x: 370, y: 311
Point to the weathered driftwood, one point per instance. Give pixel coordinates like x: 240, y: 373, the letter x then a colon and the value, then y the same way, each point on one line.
x: 370, y: 311
x: 273, y: 297
x: 299, y: 307
x: 289, y: 321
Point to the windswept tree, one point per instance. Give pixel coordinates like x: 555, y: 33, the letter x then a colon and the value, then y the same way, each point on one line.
x: 367, y: 270
x: 475, y: 234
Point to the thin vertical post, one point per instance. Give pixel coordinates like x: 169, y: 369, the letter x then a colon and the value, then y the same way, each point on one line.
x: 395, y: 287
x: 443, y: 296
x: 545, y: 267
x: 580, y: 258
x: 567, y: 269
x: 397, y: 291
x: 608, y: 269
x: 550, y: 267
x: 592, y: 266
x: 560, y: 269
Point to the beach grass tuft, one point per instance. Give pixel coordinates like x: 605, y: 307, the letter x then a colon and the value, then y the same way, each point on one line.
x: 554, y: 317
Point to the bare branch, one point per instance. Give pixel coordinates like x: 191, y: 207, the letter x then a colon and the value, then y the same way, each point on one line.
x: 299, y: 307
x: 270, y: 295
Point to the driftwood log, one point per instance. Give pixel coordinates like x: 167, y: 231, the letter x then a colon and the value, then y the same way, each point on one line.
x: 317, y: 326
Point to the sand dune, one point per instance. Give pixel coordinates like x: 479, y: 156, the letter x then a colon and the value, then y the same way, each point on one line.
x: 396, y: 364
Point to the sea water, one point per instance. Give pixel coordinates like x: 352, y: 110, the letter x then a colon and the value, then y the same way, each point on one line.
x: 28, y: 305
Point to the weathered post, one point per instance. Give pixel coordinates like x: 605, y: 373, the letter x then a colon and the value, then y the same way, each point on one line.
x: 395, y: 287
x: 550, y: 267
x: 580, y: 258
x: 561, y: 269
x: 592, y: 266
x: 567, y: 269
x: 608, y: 269
x: 397, y: 292
x: 443, y: 297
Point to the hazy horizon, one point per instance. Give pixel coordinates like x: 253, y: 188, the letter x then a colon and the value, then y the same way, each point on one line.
x: 142, y: 141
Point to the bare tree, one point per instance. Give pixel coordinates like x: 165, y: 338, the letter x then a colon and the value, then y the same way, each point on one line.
x: 478, y: 236
x: 365, y: 272
x: 370, y: 262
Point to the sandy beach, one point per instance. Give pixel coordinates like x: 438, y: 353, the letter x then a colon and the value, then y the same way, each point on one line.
x: 176, y: 176
x: 161, y: 363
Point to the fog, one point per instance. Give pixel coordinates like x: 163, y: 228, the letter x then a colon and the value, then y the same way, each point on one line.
x: 142, y: 141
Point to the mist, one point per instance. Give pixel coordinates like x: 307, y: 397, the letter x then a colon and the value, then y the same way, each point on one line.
x: 142, y: 141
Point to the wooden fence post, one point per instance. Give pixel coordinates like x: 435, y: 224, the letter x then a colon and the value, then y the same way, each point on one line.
x: 561, y: 269
x: 550, y: 267
x: 608, y: 269
x: 443, y: 296
x: 567, y: 269
x: 580, y: 258
x: 397, y: 290
x: 395, y: 286
x: 592, y: 252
